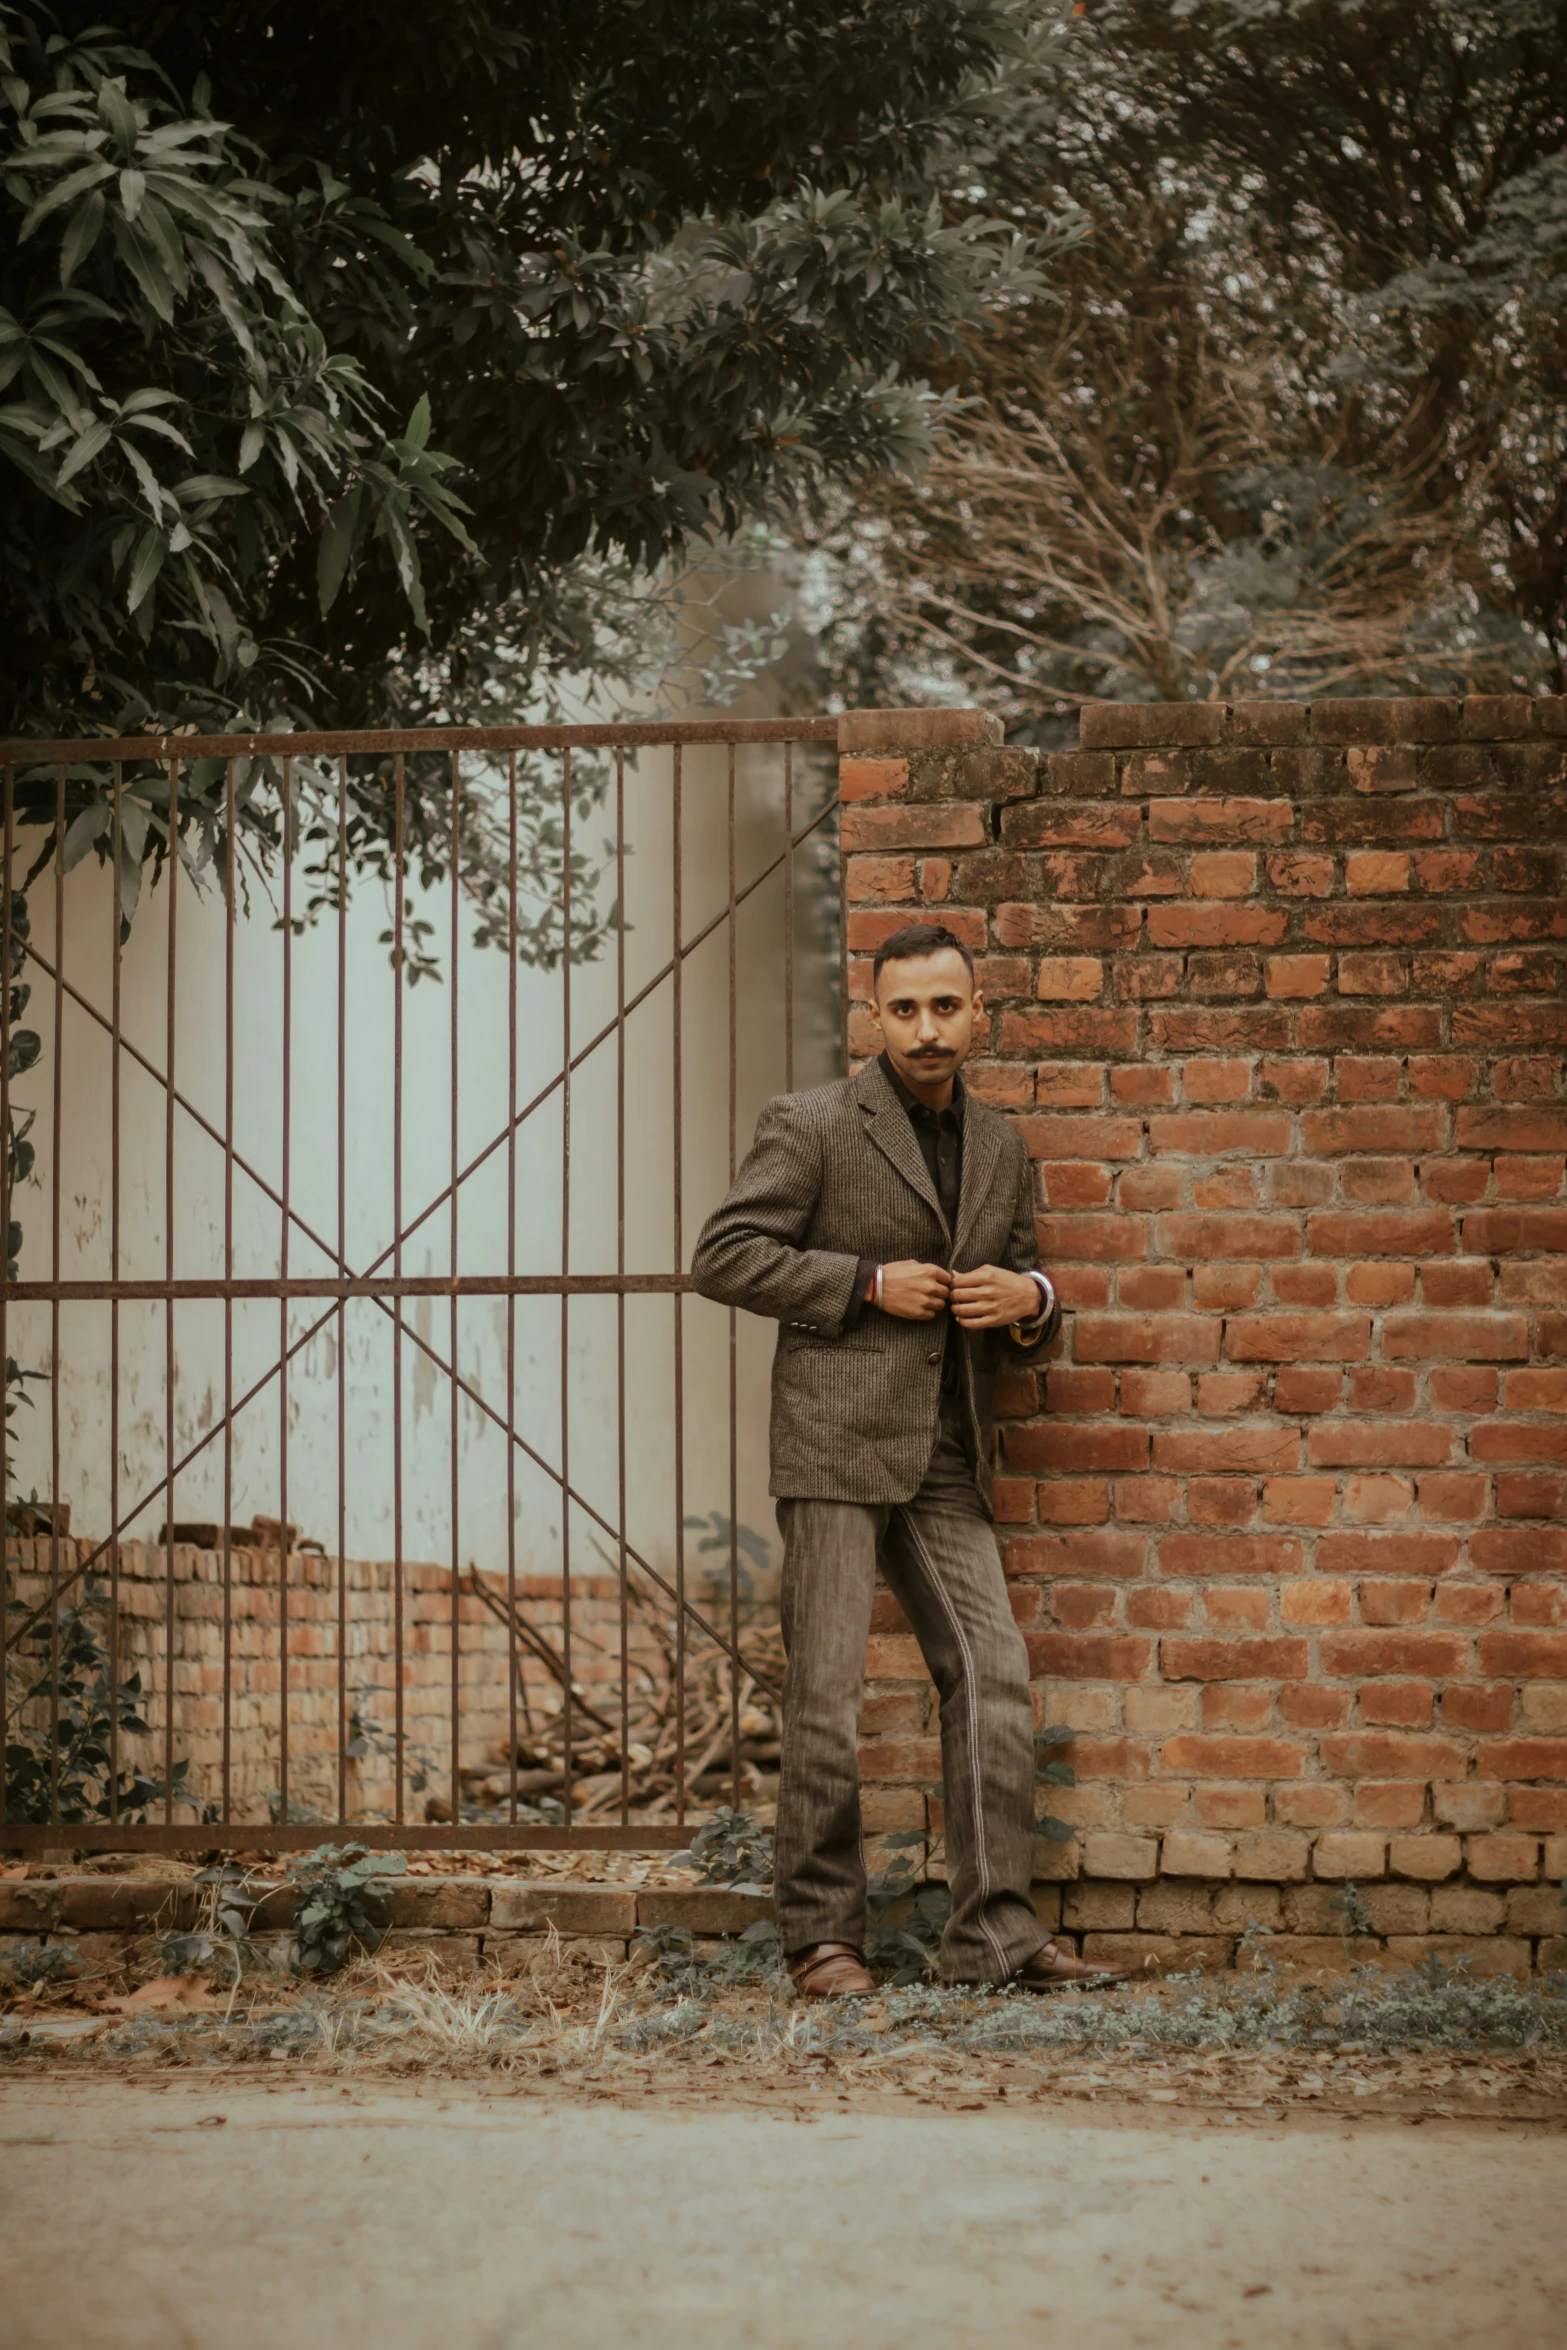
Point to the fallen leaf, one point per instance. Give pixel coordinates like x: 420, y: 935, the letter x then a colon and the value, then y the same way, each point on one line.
x: 189, y: 1993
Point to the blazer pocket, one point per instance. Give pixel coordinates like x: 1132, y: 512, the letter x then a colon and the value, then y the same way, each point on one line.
x: 835, y: 1346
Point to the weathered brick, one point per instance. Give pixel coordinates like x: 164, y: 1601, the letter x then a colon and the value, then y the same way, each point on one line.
x: 1409, y: 1127
x: 1522, y: 1656
x: 1262, y: 821
x: 1211, y: 1134
x: 531, y: 1907
x: 952, y: 824
x: 1410, y: 720
x: 1392, y: 1754
x: 1233, y: 1758
x: 1412, y: 1232
x: 1146, y: 1338
x: 1277, y: 1659
x: 1126, y: 1858
x: 702, y: 1909
x: 1428, y: 1858
x: 1352, y: 1853
x: 872, y: 779
x: 1088, y: 1656
x: 1030, y: 1031
x: 1049, y: 1136
x: 1503, y: 1858
x: 1362, y: 1444
x: 1129, y: 725
x: 1297, y: 1338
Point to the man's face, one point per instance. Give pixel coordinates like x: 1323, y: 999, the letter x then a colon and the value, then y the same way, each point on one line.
x: 925, y: 1007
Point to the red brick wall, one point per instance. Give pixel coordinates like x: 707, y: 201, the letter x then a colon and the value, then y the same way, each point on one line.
x: 255, y: 1679
x: 1275, y: 993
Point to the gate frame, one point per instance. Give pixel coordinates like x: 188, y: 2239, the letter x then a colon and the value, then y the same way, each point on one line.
x: 855, y: 732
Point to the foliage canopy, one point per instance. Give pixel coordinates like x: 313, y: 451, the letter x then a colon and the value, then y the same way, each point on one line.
x: 1291, y: 418
x: 345, y: 363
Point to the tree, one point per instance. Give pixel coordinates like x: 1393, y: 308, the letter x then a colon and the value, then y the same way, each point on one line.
x: 1290, y: 419
x: 358, y: 377
x: 635, y: 272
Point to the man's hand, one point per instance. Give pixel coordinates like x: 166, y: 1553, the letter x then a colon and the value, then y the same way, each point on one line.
x: 991, y: 1299
x: 915, y: 1292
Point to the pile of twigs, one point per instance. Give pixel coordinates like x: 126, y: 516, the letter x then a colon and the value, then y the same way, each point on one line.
x: 700, y: 1720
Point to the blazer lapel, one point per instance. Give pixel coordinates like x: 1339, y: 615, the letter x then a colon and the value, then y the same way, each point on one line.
x: 981, y: 1150
x: 887, y: 1124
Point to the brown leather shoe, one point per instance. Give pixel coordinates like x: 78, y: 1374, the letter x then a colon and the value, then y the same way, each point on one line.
x: 1053, y: 1964
x: 830, y: 1970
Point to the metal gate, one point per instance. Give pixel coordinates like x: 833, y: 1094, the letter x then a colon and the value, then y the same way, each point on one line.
x: 258, y: 1127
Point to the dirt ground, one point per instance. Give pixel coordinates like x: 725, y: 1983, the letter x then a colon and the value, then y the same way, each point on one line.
x: 489, y: 2217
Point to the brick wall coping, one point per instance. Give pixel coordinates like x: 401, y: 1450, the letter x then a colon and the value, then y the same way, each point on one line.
x: 1166, y: 1924
x: 124, y: 1904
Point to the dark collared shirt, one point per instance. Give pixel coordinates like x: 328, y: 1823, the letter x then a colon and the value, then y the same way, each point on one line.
x: 940, y: 1140
x: 939, y: 1134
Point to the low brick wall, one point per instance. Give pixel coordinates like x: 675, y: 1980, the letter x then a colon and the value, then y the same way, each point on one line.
x: 255, y: 1679
x: 107, y: 1925
x: 1275, y: 993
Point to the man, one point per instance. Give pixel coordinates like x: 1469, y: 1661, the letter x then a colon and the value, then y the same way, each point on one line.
x: 887, y: 1223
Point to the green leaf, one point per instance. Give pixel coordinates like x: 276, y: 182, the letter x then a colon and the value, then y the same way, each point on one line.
x: 64, y: 192
x: 118, y: 114
x: 149, y: 396
x: 419, y: 423
x: 133, y: 190
x: 202, y: 486
x: 146, y: 265
x: 89, y: 826
x: 148, y: 562
x: 81, y: 234
x: 91, y: 444
x: 338, y: 535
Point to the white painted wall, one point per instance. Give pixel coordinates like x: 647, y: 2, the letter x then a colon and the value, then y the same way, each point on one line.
x: 81, y: 1392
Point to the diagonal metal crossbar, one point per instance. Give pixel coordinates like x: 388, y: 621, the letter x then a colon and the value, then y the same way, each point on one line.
x: 383, y: 1281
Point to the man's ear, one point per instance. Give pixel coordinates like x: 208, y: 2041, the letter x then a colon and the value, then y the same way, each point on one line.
x: 979, y: 1001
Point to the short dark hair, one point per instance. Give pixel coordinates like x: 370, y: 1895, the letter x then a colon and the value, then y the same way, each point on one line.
x: 919, y: 938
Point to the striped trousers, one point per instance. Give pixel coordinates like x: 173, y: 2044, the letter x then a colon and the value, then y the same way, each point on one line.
x: 939, y: 1555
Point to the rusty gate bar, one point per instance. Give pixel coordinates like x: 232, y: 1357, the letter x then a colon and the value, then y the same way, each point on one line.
x: 512, y: 1663
x: 620, y: 1271
x: 173, y: 869
x: 398, y: 885
x: 228, y: 1302
x: 386, y: 1283
x: 56, y: 1095
x: 282, y: 1400
x: 342, y: 1308
x: 114, y: 1314
x: 734, y: 1337
x: 5, y: 1244
x: 565, y: 1268
x: 456, y: 1494
x: 677, y: 1131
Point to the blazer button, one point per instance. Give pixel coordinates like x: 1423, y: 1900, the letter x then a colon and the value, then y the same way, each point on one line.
x: 935, y: 1358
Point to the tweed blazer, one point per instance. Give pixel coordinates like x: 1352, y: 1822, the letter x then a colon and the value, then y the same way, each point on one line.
x: 835, y: 1175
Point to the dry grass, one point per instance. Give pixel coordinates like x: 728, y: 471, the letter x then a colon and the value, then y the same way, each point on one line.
x: 1417, y: 2046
